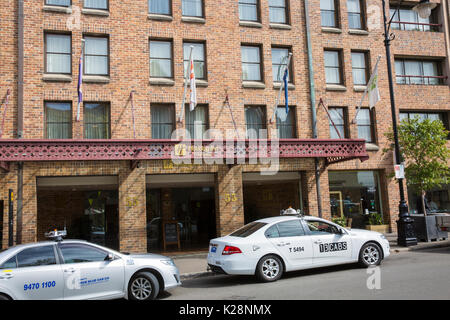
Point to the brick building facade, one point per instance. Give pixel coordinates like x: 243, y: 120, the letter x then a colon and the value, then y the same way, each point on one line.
x: 55, y: 193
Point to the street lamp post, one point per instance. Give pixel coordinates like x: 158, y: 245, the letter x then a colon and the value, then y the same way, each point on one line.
x: 405, y: 229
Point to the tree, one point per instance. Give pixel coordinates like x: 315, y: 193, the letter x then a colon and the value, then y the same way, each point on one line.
x: 423, y: 145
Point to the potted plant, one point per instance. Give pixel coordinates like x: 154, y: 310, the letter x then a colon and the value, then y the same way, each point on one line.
x: 340, y: 221
x: 423, y: 145
x: 376, y: 223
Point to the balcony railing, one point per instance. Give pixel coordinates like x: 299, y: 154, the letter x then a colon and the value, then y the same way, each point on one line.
x: 333, y: 150
x: 416, y: 26
x: 424, y: 80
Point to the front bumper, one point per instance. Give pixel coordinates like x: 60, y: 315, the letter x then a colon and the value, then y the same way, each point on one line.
x: 171, y: 278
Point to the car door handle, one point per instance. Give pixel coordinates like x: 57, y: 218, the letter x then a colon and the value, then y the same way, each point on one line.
x: 7, y: 276
x: 318, y: 241
x: 71, y: 270
x: 281, y: 244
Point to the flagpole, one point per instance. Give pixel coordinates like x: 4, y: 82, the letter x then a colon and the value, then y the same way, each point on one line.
x: 186, y: 75
x: 366, y: 91
x: 281, y: 89
x: 80, y: 79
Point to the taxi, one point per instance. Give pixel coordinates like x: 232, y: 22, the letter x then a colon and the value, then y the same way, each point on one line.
x: 269, y: 247
x: 79, y: 270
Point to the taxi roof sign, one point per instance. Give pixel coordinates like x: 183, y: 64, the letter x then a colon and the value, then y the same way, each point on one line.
x: 291, y: 212
x: 56, y: 235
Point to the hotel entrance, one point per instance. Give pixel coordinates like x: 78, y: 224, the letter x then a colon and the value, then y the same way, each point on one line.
x: 86, y: 206
x: 185, y: 201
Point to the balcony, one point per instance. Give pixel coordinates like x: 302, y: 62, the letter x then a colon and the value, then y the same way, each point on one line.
x: 332, y: 150
x: 416, y: 26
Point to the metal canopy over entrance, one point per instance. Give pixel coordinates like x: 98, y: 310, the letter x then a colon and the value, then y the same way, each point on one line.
x: 13, y: 150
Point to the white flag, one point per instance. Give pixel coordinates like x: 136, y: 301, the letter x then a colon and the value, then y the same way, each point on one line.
x: 193, y: 99
x: 374, y: 93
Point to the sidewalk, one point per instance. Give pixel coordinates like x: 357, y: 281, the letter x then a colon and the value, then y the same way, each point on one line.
x: 194, y: 265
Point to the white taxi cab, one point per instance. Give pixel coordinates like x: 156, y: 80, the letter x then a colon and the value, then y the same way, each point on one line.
x: 269, y: 247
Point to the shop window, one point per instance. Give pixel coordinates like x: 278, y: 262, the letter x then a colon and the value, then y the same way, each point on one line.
x: 437, y: 200
x: 355, y: 195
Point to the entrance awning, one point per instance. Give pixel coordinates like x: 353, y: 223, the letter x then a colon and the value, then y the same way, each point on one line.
x: 256, y: 177
x: 84, y: 182
x: 333, y: 150
x: 180, y: 180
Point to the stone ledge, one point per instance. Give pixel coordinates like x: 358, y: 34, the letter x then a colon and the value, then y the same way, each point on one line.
x: 193, y: 20
x: 253, y: 85
x: 159, y: 17
x: 58, y: 9
x: 57, y: 77
x: 280, y: 26
x: 95, y: 12
x: 199, y: 83
x: 372, y: 147
x: 96, y: 79
x: 358, y: 32
x: 162, y: 82
x: 335, y: 87
x: 331, y: 30
x: 277, y: 85
x: 250, y: 24
x: 359, y: 88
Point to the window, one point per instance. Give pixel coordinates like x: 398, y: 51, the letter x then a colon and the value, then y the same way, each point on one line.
x: 197, y: 121
x: 355, y: 14
x: 418, y: 72
x: 163, y: 121
x: 192, y: 8
x: 359, y: 68
x: 248, y: 10
x: 255, y: 120
x: 161, y: 59
x: 58, y: 53
x: 79, y: 253
x: 62, y: 3
x: 96, y: 55
x: 328, y: 13
x: 96, y: 4
x: 9, y: 264
x: 279, y: 60
x: 407, y: 19
x: 96, y: 121
x: 58, y: 120
x: 199, y: 59
x: 286, y: 129
x: 321, y: 228
x: 365, y: 125
x: 290, y: 228
x: 339, y: 118
x: 406, y: 115
x: 251, y: 63
x: 278, y: 11
x: 272, y: 232
x: 36, y: 256
x: 354, y: 194
x: 160, y: 7
x: 333, y: 72
x: 248, y: 229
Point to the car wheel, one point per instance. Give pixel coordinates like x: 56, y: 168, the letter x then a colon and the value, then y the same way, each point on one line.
x: 143, y: 286
x: 4, y: 298
x: 269, y: 268
x: 370, y: 255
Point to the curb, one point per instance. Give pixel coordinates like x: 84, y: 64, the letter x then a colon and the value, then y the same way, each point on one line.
x: 196, y: 275
x: 422, y: 246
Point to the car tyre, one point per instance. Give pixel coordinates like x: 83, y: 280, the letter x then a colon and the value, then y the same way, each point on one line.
x: 143, y: 286
x: 370, y: 255
x: 269, y: 268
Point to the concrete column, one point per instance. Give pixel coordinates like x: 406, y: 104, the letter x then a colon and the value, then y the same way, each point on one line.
x: 229, y: 199
x: 132, y: 211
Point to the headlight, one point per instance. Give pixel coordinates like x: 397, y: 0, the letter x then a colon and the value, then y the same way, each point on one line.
x: 168, y: 262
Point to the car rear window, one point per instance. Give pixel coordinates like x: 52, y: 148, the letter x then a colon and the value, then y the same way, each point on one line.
x: 248, y: 229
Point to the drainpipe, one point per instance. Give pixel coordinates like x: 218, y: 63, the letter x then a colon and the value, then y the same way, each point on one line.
x: 20, y: 77
x: 312, y: 97
x: 446, y: 27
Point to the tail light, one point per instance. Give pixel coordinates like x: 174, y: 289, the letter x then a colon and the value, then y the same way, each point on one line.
x: 230, y: 250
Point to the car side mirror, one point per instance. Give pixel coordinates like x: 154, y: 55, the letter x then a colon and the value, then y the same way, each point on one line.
x: 109, y: 257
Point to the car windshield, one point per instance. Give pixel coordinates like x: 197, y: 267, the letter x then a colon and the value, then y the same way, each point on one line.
x: 248, y: 229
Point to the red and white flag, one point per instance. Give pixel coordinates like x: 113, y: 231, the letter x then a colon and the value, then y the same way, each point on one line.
x: 193, y: 98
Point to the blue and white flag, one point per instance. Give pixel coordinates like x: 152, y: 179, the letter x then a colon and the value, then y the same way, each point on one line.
x: 80, y: 84
x: 286, y: 96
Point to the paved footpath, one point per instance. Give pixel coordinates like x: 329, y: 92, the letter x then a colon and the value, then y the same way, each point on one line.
x: 418, y: 274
